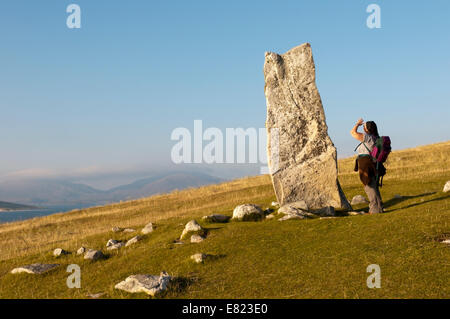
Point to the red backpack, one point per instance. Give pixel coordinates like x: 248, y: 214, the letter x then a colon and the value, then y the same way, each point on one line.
x: 380, y: 153
x: 381, y: 149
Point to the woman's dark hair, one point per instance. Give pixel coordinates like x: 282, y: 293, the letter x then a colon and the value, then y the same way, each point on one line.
x: 371, y: 127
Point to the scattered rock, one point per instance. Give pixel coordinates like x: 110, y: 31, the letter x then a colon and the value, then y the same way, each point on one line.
x: 133, y: 240
x: 150, y: 284
x: 216, y: 218
x: 301, y: 155
x: 128, y: 230
x: 116, y: 246
x: 197, y: 238
x: 93, y: 254
x: 271, y: 216
x: 59, y: 251
x: 446, y: 241
x: 81, y: 251
x: 116, y: 229
x: 111, y: 242
x: 446, y: 187
x: 326, y: 211
x: 275, y: 204
x: 359, y: 199
x: 96, y: 296
x: 199, y: 258
x: 34, y: 268
x: 190, y: 228
x: 248, y: 212
x: 148, y: 229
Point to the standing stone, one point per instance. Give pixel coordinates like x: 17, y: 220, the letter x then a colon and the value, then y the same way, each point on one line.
x: 301, y: 155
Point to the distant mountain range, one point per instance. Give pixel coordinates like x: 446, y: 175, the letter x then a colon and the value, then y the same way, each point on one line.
x: 48, y: 192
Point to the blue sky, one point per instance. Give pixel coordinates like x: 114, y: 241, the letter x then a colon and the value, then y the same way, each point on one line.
x: 106, y: 97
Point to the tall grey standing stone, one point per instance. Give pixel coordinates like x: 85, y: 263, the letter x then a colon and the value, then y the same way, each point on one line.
x: 301, y: 155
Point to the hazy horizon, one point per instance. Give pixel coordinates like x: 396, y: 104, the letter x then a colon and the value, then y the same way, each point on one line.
x: 98, y: 104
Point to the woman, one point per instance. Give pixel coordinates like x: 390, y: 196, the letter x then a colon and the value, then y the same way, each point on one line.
x: 366, y: 165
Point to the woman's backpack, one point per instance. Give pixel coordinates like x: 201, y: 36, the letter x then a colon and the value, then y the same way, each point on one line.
x: 379, y: 155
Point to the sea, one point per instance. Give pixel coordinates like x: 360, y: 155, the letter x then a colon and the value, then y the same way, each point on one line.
x: 7, y: 217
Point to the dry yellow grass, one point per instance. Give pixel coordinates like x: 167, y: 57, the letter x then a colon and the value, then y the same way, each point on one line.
x: 69, y: 229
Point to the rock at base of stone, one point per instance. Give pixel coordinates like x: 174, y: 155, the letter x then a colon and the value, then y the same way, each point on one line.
x: 148, y: 229
x: 93, y: 254
x: 359, y: 199
x: 198, y: 258
x: 293, y: 208
x: 355, y: 213
x: 326, y: 212
x: 248, y: 212
x: 216, y: 218
x: 301, y: 156
x: 446, y: 187
x: 149, y: 284
x: 34, y: 268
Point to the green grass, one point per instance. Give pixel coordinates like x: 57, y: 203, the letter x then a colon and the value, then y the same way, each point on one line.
x: 318, y: 258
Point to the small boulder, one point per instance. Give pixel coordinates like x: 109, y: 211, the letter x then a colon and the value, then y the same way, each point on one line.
x: 59, y: 252
x: 446, y: 187
x: 196, y: 238
x: 81, y: 250
x: 326, y: 211
x: 128, y: 230
x: 93, y: 254
x: 198, y: 258
x: 148, y: 229
x: 34, y: 268
x: 359, y: 199
x: 190, y: 228
x: 216, y: 218
x: 116, y: 229
x: 111, y: 242
x: 248, y: 212
x: 133, y: 240
x: 116, y: 246
x: 149, y: 284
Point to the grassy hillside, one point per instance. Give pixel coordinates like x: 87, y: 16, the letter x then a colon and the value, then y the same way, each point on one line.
x: 269, y: 259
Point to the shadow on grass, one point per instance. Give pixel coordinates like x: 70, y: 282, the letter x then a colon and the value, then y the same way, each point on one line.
x: 178, y: 285
x: 418, y: 204
x: 395, y: 201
